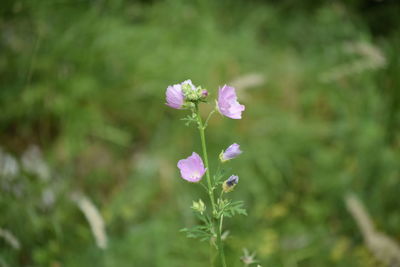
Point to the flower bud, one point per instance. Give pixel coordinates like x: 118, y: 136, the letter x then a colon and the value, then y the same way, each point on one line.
x: 199, y: 206
x: 189, y: 91
x: 230, y: 183
x: 231, y: 152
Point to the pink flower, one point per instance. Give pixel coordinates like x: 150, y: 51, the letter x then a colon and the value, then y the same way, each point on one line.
x: 192, y: 168
x: 175, y: 95
x: 227, y: 103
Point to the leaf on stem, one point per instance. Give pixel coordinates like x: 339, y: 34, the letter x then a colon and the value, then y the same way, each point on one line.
x: 234, y: 208
x: 202, y: 232
x: 219, y: 176
x: 190, y: 119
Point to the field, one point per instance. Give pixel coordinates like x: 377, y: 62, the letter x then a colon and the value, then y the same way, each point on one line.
x: 88, y: 148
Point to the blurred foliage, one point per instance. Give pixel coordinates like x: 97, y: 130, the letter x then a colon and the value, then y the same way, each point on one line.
x: 85, y: 82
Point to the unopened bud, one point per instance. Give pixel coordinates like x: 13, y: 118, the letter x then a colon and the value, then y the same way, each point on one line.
x: 230, y: 183
x: 199, y: 206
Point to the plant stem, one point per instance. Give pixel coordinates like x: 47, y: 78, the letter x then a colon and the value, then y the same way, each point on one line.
x: 211, y: 189
x: 204, y: 147
x: 208, y: 118
x: 219, y: 241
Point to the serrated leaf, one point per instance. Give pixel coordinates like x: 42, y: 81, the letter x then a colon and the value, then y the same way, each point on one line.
x: 234, y: 208
x: 201, y: 232
x: 189, y: 119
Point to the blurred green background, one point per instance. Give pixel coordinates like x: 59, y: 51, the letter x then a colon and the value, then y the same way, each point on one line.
x: 83, y: 127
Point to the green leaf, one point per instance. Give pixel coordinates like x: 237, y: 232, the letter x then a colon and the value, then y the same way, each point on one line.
x: 202, y: 232
x: 189, y: 119
x: 233, y: 208
x: 219, y: 175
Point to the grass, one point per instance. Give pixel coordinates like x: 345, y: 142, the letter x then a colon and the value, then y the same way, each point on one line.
x: 86, y: 82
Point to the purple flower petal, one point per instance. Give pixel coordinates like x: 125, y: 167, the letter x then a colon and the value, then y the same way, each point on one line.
x: 227, y: 103
x: 174, y: 96
x: 231, y: 152
x: 192, y: 168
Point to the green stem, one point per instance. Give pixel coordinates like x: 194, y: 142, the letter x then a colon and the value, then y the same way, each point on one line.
x: 219, y: 241
x: 210, y: 188
x: 203, y: 145
x: 208, y: 118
